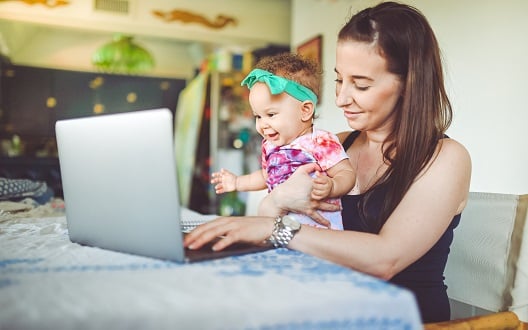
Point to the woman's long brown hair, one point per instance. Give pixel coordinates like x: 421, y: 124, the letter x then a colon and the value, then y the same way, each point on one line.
x: 422, y: 115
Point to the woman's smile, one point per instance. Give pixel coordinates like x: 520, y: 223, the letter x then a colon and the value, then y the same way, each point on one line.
x: 349, y: 114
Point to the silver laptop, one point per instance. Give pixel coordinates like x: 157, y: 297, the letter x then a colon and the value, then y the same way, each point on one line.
x: 120, y: 188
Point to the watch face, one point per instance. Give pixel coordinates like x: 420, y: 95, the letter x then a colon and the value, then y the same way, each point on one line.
x: 290, y: 222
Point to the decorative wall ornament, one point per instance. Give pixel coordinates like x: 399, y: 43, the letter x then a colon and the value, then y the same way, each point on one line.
x: 312, y: 49
x: 47, y: 3
x: 184, y: 16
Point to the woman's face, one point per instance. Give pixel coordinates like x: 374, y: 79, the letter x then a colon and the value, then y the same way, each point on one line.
x: 365, y: 90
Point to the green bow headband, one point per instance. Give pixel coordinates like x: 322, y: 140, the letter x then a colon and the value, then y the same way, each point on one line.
x: 279, y: 85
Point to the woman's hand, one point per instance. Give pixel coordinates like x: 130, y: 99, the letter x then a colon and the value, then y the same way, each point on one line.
x: 253, y: 230
x: 294, y: 195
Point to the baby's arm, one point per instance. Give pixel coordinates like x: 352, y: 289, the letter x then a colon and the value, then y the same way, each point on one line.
x: 340, y: 180
x: 226, y: 181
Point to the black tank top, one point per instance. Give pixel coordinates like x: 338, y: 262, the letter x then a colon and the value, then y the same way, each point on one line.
x: 424, y: 277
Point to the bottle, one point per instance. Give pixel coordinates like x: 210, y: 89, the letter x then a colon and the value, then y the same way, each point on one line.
x: 230, y: 205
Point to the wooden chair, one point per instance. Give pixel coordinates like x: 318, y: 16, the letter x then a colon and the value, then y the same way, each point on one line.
x: 493, y: 321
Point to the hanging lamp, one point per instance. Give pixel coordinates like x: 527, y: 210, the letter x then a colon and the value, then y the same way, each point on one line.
x: 122, y: 55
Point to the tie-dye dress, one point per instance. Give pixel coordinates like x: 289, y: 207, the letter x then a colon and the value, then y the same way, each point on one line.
x: 319, y: 147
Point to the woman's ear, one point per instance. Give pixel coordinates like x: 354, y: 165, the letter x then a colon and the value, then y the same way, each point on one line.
x: 307, y: 110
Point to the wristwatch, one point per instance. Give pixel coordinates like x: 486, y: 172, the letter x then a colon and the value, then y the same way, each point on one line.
x: 283, y: 231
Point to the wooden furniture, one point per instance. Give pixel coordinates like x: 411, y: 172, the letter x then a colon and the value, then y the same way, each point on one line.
x: 494, y: 321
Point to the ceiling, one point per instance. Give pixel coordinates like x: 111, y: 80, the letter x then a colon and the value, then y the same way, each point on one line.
x: 40, y: 36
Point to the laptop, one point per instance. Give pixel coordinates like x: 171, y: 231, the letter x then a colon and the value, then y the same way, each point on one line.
x: 120, y: 186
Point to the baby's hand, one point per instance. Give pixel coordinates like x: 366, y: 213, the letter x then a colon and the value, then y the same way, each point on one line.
x: 224, y: 181
x: 322, y: 186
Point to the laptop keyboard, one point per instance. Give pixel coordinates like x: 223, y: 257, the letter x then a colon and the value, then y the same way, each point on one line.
x: 191, y: 219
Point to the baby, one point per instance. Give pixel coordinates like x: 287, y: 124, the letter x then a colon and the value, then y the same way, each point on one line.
x: 283, y: 98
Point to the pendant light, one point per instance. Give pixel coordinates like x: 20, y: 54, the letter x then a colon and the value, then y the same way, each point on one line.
x: 122, y: 55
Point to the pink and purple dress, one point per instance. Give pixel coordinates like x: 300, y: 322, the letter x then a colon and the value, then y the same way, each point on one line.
x: 319, y: 147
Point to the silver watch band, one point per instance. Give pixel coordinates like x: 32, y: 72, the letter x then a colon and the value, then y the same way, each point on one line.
x: 281, y: 234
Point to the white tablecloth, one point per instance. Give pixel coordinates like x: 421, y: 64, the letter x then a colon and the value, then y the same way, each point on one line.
x: 47, y: 282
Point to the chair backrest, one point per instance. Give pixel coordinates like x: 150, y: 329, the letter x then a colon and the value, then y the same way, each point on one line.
x: 488, y: 262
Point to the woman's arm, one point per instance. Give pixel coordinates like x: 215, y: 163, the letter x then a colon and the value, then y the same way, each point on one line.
x: 411, y: 230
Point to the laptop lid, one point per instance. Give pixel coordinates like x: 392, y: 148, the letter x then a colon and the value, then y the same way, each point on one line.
x: 119, y: 182
x: 120, y: 186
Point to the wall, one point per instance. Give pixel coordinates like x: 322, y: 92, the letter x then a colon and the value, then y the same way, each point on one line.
x: 60, y: 48
x: 484, y: 47
x: 65, y: 37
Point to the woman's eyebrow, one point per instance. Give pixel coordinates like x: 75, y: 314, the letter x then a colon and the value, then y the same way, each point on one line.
x: 358, y: 77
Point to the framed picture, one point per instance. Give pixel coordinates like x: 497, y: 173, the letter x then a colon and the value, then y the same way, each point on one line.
x: 312, y: 49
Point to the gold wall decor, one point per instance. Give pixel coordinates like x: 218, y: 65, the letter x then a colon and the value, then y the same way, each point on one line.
x: 189, y: 17
x: 96, y: 82
x: 51, y: 102
x: 131, y: 97
x: 98, y: 108
x: 47, y: 3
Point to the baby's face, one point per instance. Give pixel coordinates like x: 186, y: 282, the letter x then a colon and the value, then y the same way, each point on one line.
x: 277, y: 117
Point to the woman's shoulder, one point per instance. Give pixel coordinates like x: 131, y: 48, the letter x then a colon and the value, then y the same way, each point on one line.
x: 453, y: 158
x: 451, y: 148
x: 451, y: 163
x: 450, y: 172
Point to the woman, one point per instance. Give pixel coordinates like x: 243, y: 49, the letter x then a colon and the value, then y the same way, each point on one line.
x: 412, y: 181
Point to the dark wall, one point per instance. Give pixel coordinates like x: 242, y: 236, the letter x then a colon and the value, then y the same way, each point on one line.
x: 32, y: 99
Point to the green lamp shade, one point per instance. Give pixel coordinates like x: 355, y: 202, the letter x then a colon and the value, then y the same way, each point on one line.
x: 123, y: 55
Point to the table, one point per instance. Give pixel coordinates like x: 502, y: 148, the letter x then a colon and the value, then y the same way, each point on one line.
x: 47, y: 282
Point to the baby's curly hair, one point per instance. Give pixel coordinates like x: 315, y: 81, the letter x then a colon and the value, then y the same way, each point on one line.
x: 294, y: 67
